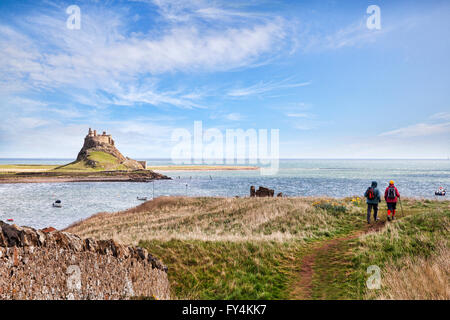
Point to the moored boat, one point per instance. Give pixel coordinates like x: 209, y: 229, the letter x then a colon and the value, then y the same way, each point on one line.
x: 57, y: 204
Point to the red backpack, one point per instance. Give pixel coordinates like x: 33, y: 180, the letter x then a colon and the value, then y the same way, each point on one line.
x: 370, y: 194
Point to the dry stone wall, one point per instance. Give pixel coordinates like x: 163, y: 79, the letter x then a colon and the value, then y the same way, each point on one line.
x: 42, y: 264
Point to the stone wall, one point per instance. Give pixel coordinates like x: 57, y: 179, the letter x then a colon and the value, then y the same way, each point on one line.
x: 37, y: 264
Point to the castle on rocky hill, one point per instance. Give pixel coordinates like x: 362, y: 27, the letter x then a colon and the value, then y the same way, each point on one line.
x: 105, y: 143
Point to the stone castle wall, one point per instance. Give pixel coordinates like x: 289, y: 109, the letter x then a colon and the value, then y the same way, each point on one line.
x: 102, y: 139
x: 35, y: 264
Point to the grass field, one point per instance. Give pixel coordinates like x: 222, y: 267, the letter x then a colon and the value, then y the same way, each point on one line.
x: 285, y: 248
x: 414, y: 254
x: 8, y: 168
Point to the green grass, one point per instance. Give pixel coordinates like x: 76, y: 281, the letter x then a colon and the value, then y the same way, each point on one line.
x: 26, y: 166
x: 190, y: 235
x: 77, y: 166
x: 11, y: 168
x: 103, y: 158
x: 226, y: 270
x: 104, y: 161
x: 250, y: 248
x: 414, y: 236
x: 332, y: 274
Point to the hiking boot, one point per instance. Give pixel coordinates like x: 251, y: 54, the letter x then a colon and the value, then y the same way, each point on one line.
x: 393, y: 218
x: 368, y: 222
x: 376, y: 220
x: 389, y: 218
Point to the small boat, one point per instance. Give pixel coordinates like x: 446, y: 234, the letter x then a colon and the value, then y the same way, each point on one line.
x: 142, y: 198
x: 57, y: 204
x: 10, y: 220
x: 440, y: 192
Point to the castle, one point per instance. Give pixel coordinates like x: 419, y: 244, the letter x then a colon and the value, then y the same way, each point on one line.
x: 104, y: 143
x: 103, y: 138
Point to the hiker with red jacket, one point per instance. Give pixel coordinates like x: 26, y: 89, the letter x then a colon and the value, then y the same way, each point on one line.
x: 391, y: 195
x: 373, y: 199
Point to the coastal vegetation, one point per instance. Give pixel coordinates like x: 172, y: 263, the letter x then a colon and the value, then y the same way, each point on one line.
x: 12, y: 168
x: 286, y: 248
x: 103, y: 161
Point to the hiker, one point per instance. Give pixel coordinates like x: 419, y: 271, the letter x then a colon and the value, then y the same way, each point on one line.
x: 373, y: 199
x: 391, y: 195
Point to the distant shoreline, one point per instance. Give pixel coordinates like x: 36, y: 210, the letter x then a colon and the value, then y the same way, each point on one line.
x: 200, y: 168
x: 33, y: 168
x: 28, y: 173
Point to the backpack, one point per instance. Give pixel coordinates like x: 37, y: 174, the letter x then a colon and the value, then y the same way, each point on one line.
x: 391, y: 193
x: 370, y: 193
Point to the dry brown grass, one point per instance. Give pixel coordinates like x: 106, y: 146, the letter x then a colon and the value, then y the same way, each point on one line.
x: 413, y: 253
x: 419, y: 278
x: 216, y: 219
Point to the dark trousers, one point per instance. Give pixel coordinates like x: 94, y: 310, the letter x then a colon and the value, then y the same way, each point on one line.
x: 369, y: 210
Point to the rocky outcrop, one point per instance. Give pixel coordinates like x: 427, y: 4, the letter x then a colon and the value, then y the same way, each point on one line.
x: 93, y: 144
x: 104, y: 143
x: 49, y: 264
x: 261, y: 192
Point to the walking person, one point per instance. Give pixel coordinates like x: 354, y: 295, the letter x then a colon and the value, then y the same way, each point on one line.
x: 391, y: 195
x: 373, y: 197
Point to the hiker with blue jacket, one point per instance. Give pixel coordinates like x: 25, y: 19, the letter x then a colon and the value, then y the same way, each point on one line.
x: 373, y: 197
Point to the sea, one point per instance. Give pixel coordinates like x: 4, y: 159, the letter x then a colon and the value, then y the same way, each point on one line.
x: 30, y: 204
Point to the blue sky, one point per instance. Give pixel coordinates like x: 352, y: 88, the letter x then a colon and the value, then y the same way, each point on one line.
x: 312, y: 69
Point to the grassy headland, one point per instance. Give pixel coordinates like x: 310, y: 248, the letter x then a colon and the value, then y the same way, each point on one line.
x: 104, y: 161
x: 281, y: 248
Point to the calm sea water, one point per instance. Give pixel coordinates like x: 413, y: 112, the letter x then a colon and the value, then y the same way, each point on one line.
x: 30, y: 204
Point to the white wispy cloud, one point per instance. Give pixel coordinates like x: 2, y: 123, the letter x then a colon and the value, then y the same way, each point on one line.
x: 298, y: 115
x: 263, y: 87
x: 421, y: 129
x: 355, y: 34
x: 314, y: 39
x: 234, y: 116
x: 179, y: 11
x: 441, y: 116
x: 102, y: 56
